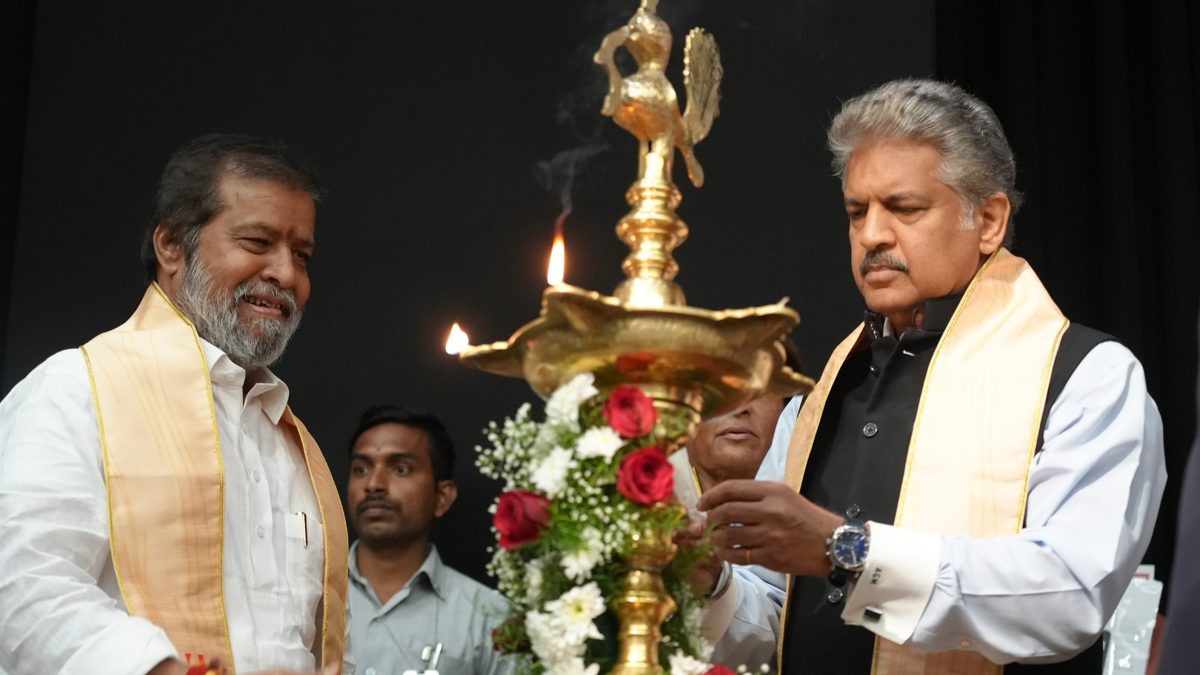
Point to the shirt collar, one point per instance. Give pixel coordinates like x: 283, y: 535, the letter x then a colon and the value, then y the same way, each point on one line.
x: 432, y: 570
x: 932, y: 316
x: 354, y: 575
x: 266, y: 386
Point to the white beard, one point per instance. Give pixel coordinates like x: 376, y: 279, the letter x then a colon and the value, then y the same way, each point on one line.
x: 215, y: 314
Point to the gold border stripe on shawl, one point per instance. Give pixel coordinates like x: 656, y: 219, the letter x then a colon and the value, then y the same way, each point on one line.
x: 937, y: 351
x: 212, y: 412
x: 992, y: 435
x: 104, y: 453
x: 336, y: 542
x: 1008, y: 292
x: 148, y: 402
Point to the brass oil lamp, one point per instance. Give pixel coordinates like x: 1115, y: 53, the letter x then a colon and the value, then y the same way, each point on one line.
x: 697, y: 362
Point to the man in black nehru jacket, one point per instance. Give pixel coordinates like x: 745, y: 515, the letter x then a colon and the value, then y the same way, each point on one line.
x: 974, y: 479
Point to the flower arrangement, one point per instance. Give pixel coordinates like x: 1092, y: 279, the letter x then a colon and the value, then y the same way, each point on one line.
x: 576, y: 487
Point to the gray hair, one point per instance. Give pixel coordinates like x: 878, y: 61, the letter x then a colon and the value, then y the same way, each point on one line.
x: 976, y: 160
x: 189, y: 192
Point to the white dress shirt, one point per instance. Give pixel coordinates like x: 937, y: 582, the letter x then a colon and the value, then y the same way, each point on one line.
x: 60, y: 605
x: 1040, y: 595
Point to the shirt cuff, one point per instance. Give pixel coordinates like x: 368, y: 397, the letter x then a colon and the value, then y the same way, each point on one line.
x: 723, y: 581
x: 896, y: 582
x: 131, y: 646
x: 721, y: 607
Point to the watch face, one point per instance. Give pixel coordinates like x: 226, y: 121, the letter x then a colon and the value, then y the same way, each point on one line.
x: 850, y: 547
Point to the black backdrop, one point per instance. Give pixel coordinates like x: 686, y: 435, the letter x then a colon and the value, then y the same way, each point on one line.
x: 428, y: 120
x: 1101, y: 102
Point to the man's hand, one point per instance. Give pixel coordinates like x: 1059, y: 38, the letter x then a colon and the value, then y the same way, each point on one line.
x: 169, y: 667
x: 707, y: 570
x: 769, y: 524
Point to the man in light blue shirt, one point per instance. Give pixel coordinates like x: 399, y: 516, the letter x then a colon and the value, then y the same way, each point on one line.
x: 409, y: 611
x: 960, y: 346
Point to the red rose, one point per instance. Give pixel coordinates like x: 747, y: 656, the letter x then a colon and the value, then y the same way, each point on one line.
x: 719, y: 669
x: 520, y: 517
x: 630, y: 412
x: 646, y: 477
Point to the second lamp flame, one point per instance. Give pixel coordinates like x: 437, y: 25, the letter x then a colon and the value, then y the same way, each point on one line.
x: 458, y: 340
x: 556, y: 270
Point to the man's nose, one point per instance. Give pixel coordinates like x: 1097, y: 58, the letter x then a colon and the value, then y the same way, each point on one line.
x: 377, y: 480
x: 876, y: 229
x: 282, y: 268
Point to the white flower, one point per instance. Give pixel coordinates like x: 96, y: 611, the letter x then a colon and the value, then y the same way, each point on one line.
x: 559, y: 635
x: 545, y: 439
x: 550, y: 475
x: 563, y: 406
x: 533, y: 579
x: 546, y: 639
x: 578, y: 564
x: 682, y: 664
x: 574, y: 610
x: 599, y: 442
x: 572, y: 666
x: 691, y: 626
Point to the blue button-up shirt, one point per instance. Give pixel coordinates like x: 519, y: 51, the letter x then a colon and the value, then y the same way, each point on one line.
x: 1094, y: 491
x: 438, y: 604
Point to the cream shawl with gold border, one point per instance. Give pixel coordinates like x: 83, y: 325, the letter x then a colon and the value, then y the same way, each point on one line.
x: 975, y: 432
x: 165, y: 479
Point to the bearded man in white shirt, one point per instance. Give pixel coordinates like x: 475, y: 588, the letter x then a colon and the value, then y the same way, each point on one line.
x: 161, y: 509
x: 973, y: 480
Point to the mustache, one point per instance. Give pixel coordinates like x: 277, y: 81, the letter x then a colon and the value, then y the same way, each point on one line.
x: 371, y: 502
x: 879, y: 258
x: 267, y: 291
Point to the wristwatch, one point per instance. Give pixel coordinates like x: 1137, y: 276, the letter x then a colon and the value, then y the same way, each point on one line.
x: 847, y: 548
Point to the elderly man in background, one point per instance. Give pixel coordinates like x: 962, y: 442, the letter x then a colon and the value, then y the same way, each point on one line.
x: 730, y: 446
x: 974, y: 478
x: 161, y: 508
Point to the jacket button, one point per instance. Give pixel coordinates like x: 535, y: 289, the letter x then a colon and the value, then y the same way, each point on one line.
x: 870, y: 429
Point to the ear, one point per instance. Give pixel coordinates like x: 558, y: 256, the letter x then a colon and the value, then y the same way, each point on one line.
x: 991, y: 219
x: 447, y: 492
x: 168, y: 252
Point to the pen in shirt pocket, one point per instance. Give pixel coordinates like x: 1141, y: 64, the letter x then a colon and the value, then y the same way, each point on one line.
x: 297, y: 526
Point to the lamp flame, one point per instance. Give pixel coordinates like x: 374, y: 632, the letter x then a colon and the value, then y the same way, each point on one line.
x: 458, y: 340
x: 558, y: 261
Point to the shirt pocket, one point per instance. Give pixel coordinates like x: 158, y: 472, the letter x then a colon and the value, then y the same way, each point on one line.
x: 455, y: 664
x: 306, y: 569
